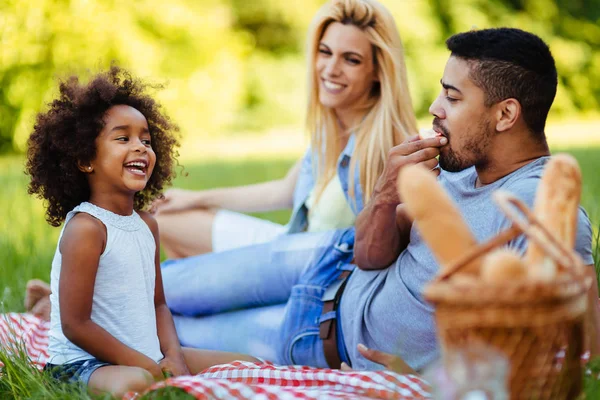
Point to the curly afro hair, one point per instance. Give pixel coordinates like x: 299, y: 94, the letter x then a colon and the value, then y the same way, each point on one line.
x: 66, y: 134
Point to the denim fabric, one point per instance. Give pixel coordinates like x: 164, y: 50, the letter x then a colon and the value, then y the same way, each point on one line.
x: 300, y: 328
x: 253, y: 331
x: 77, y: 371
x: 232, y: 301
x: 247, y: 277
x: 306, y: 182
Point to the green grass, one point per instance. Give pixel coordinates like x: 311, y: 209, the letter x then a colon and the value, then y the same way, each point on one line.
x: 27, y: 244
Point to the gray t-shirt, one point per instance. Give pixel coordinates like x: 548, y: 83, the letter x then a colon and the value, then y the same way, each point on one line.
x: 385, y: 310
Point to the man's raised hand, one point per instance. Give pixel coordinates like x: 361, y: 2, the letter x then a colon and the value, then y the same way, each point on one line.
x: 412, y: 151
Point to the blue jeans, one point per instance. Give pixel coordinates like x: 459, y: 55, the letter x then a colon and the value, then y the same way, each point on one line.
x: 262, y: 300
x: 76, y: 371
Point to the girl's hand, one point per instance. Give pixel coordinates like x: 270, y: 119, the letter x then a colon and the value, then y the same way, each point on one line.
x: 175, y: 200
x: 174, y: 365
x: 155, y: 370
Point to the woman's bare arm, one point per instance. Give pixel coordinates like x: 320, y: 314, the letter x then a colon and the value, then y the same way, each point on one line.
x: 259, y: 197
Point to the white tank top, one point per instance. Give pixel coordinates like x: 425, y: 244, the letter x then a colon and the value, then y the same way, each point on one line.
x: 331, y: 211
x: 123, y: 300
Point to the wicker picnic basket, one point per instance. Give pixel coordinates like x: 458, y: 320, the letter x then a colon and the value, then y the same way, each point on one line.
x: 538, y: 326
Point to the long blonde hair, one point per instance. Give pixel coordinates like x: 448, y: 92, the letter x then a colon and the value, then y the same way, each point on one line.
x: 389, y: 117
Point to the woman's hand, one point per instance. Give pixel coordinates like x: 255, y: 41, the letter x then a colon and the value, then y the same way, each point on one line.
x: 174, y: 365
x: 389, y: 361
x: 175, y: 200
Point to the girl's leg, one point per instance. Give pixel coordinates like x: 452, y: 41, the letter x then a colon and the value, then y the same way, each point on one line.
x: 256, y: 332
x: 198, y: 360
x: 119, y: 379
x: 184, y: 234
x: 252, y: 276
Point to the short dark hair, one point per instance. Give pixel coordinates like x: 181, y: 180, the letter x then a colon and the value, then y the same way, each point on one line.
x: 65, y: 135
x: 510, y: 63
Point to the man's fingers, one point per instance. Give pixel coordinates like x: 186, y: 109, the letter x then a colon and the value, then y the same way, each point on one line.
x: 412, y: 138
x: 430, y: 164
x: 412, y: 145
x: 376, y: 356
x: 426, y: 154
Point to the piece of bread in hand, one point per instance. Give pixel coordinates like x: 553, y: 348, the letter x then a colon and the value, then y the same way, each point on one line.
x: 438, y: 219
x: 502, y: 265
x: 556, y: 206
x: 427, y: 133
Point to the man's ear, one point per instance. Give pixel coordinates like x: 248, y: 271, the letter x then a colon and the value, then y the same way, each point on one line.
x: 86, y: 169
x: 507, y: 113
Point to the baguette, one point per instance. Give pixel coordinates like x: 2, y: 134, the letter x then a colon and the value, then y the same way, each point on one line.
x: 439, y: 221
x: 556, y: 206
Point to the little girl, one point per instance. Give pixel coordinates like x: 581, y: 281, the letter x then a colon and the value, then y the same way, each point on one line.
x: 100, y: 154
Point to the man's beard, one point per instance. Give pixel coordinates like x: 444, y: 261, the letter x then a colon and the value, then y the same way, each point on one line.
x: 473, y: 152
x: 450, y: 161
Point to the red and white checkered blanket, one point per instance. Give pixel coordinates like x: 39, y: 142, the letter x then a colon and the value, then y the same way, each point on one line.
x: 241, y: 380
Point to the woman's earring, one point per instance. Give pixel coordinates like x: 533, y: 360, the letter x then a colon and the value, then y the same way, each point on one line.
x: 89, y: 168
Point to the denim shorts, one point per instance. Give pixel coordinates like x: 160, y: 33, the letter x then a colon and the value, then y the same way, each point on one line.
x: 77, y: 371
x: 300, y: 329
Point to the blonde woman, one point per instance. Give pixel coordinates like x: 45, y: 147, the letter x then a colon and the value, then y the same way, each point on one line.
x: 359, y: 107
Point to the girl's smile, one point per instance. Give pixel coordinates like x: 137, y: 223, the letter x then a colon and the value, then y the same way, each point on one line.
x: 137, y: 167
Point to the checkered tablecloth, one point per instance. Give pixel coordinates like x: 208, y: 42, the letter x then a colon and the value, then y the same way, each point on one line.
x: 240, y: 380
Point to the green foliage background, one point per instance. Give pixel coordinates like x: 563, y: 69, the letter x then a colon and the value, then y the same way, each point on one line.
x: 238, y: 65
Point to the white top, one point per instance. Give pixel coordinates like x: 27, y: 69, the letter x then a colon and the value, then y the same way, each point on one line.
x: 331, y: 211
x: 123, y: 302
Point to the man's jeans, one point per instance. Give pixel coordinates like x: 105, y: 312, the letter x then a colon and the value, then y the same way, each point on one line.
x: 262, y: 300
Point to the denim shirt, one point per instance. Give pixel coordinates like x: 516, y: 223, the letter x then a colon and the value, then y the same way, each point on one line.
x: 306, y: 182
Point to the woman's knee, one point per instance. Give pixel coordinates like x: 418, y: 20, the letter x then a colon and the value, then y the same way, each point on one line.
x: 187, y: 233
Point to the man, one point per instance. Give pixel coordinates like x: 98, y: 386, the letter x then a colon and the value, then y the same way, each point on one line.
x: 497, y: 89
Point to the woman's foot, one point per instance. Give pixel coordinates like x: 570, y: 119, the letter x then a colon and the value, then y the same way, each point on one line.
x: 37, y: 298
x: 42, y: 309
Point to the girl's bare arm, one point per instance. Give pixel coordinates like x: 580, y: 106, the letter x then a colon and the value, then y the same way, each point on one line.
x: 82, y: 243
x: 169, y: 343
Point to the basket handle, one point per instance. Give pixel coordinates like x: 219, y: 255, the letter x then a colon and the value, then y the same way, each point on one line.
x: 524, y: 221
x: 537, y: 232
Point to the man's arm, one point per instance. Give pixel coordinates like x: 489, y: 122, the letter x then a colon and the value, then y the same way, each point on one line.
x: 382, y: 228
